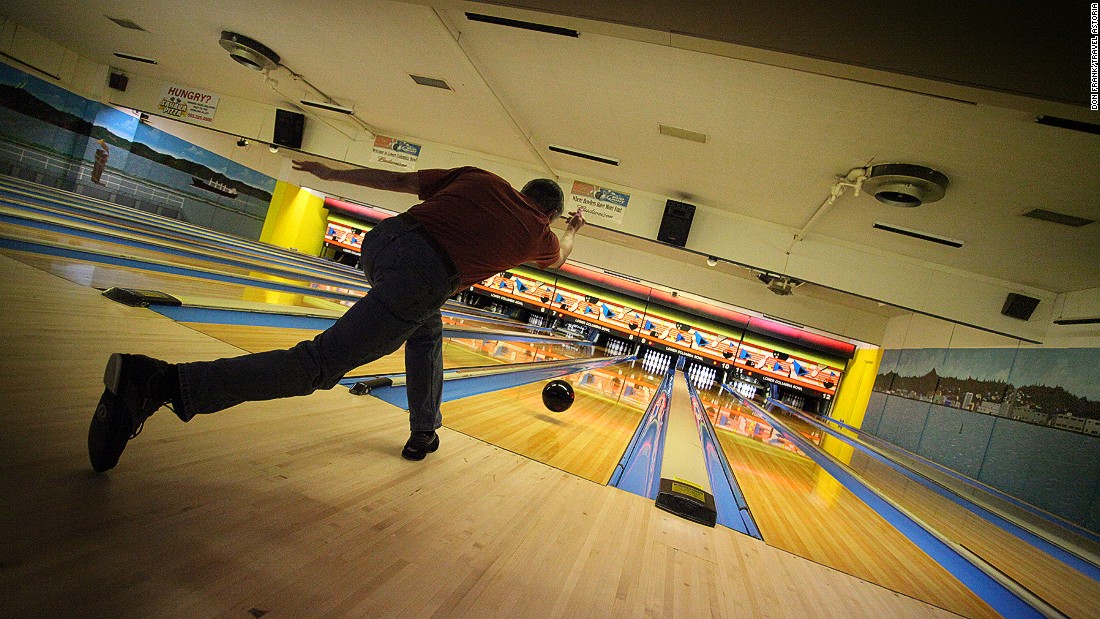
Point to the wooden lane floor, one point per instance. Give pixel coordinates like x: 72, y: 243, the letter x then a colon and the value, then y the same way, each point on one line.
x: 1065, y: 588
x: 77, y: 211
x: 76, y: 242
x: 213, y: 293
x: 586, y: 440
x: 302, y: 507
x: 800, y: 508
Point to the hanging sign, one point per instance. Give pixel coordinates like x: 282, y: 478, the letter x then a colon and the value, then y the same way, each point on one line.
x: 189, y: 104
x: 601, y: 205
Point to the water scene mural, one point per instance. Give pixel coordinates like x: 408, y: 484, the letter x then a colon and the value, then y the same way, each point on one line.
x: 50, y: 135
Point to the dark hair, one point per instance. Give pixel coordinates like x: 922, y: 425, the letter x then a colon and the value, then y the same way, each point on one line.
x: 547, y: 194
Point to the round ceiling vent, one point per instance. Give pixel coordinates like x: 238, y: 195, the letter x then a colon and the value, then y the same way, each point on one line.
x: 249, y: 52
x: 904, y: 184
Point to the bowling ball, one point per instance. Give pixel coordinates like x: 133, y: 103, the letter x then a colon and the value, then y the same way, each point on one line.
x: 557, y: 395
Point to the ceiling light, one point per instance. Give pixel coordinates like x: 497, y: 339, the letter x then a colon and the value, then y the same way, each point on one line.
x: 331, y: 107
x: 249, y: 52
x: 273, y: 148
x: 712, y: 261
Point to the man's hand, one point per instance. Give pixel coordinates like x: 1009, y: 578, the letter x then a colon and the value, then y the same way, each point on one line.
x: 576, y: 220
x: 315, y: 168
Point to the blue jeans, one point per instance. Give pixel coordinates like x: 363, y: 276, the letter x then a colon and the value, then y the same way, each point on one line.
x: 410, y: 279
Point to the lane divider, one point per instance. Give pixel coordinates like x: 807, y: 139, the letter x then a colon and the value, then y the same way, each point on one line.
x: 733, y: 509
x: 466, y: 382
x: 639, y: 470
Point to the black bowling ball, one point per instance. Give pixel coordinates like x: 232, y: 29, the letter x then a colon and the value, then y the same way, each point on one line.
x: 557, y: 395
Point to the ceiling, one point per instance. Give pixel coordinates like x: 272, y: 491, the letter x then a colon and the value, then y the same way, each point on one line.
x: 790, y: 99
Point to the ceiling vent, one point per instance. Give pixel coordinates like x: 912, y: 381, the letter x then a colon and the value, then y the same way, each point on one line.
x: 1058, y: 218
x: 249, y: 52
x: 683, y: 134
x: 924, y: 236
x: 1065, y: 123
x: 573, y: 152
x: 523, y: 25
x: 904, y: 184
x: 780, y: 285
x: 134, y: 57
x: 430, y: 81
x: 126, y: 23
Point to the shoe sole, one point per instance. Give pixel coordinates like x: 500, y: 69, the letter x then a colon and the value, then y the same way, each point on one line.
x: 112, y: 375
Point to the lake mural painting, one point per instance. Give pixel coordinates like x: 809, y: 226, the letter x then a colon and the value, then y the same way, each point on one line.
x: 1057, y: 387
x: 95, y: 144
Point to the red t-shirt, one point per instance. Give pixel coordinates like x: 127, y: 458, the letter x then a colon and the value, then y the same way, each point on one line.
x: 483, y: 224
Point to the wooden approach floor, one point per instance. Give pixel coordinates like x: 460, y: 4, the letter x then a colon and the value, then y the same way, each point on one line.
x: 303, y: 508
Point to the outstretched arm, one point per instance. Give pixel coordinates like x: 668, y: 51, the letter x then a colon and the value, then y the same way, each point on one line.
x: 404, y: 182
x: 566, y: 241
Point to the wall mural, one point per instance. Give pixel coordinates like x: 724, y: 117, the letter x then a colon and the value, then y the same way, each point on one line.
x: 1057, y: 387
x: 55, y: 137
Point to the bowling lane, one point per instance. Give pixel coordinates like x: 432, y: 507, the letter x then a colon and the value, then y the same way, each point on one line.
x: 802, y: 509
x: 342, y: 284
x: 1067, y: 589
x: 247, y: 253
x: 213, y: 293
x: 586, y: 440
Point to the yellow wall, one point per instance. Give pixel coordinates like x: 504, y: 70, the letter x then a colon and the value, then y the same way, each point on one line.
x: 296, y: 219
x: 855, y: 388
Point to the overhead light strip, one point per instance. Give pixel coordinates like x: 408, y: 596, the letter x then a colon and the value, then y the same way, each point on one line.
x: 924, y: 236
x: 523, y: 25
x: 582, y: 154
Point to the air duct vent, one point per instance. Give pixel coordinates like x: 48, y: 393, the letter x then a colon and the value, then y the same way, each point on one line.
x: 924, y: 236
x: 1065, y: 123
x: 583, y: 155
x: 1077, y: 321
x: 430, y: 81
x: 524, y: 25
x: 135, y: 58
x: 683, y: 134
x: 1058, y: 218
x: 126, y: 23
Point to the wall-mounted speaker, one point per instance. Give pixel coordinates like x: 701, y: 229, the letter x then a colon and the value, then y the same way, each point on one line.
x: 676, y: 223
x: 289, y: 127
x: 1019, y: 306
x: 117, y: 81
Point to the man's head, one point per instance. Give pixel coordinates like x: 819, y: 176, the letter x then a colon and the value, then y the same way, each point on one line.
x: 547, y: 194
